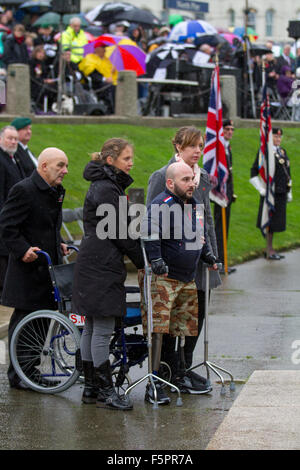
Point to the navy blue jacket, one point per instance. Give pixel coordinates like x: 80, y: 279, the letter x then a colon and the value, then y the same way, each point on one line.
x: 177, y: 239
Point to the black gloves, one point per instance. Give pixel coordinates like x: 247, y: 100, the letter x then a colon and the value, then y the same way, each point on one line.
x: 158, y: 266
x: 208, y: 258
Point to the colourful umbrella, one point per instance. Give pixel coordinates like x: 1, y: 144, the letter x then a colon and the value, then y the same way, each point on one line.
x: 175, y: 19
x: 123, y: 53
x: 233, y: 39
x: 190, y: 29
x: 240, y: 31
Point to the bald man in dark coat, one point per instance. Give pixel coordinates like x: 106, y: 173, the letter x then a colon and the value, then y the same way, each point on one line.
x: 30, y: 221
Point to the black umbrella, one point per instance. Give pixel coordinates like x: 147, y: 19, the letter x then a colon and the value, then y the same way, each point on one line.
x: 255, y: 49
x: 213, y: 40
x: 36, y: 7
x: 142, y: 17
x: 167, y: 54
x: 122, y: 11
x: 11, y: 3
x: 107, y: 11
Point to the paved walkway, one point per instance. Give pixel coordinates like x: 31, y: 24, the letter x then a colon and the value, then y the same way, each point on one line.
x: 266, y: 414
x: 254, y: 331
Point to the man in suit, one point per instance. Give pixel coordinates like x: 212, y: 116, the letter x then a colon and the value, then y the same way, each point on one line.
x: 11, y: 172
x: 228, y: 128
x: 285, y: 60
x: 31, y: 221
x: 26, y: 157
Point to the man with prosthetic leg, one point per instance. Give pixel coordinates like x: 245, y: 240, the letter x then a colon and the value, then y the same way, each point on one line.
x: 173, y: 230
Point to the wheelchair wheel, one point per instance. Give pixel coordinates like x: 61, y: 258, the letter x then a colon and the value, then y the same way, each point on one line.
x: 43, y: 351
x: 121, y: 383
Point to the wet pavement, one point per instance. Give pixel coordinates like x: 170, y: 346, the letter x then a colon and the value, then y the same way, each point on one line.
x: 254, y: 323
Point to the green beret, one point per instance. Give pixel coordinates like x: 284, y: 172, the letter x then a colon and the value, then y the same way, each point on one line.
x: 21, y: 122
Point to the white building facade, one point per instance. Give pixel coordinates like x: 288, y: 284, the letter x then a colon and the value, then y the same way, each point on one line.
x: 269, y: 18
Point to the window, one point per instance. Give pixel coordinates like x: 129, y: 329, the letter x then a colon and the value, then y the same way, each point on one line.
x: 269, y: 22
x: 252, y: 19
x: 231, y: 18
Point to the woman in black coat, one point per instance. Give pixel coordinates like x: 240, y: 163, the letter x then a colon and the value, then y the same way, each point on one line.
x: 100, y: 273
x: 15, y: 49
x: 38, y: 74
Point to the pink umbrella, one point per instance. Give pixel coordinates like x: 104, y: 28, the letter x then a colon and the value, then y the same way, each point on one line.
x: 123, y: 53
x: 230, y: 37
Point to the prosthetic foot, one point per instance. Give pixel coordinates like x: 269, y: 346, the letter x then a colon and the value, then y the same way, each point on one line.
x: 158, y: 395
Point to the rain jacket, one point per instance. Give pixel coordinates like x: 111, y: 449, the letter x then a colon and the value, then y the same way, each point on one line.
x: 100, y: 272
x: 92, y: 63
x: 178, y: 240
x: 75, y: 42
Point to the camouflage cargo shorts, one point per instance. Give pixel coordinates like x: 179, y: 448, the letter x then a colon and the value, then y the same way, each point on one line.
x: 174, y: 306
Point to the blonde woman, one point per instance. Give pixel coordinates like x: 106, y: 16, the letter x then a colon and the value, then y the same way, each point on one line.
x: 99, y: 291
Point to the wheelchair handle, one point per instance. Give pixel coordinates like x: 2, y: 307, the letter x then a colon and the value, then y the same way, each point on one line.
x: 50, y: 267
x: 47, y: 256
x: 75, y: 248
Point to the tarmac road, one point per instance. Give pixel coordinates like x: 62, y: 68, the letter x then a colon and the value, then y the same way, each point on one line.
x: 253, y: 325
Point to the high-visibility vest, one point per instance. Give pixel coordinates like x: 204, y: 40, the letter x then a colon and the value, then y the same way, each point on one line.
x: 75, y: 42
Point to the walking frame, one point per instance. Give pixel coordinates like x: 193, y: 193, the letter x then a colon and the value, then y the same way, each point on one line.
x: 150, y: 375
x: 206, y: 363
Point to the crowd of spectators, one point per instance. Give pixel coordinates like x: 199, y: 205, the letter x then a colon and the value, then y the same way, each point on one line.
x: 281, y: 72
x: 39, y: 47
x: 94, y: 74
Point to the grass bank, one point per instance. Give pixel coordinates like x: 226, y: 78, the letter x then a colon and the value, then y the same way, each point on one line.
x: 153, y: 149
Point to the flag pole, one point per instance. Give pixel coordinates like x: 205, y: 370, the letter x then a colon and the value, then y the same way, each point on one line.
x: 224, y: 225
x: 263, y: 84
x: 214, y: 157
x: 224, y: 230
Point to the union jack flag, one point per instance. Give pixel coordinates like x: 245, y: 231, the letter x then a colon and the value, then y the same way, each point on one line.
x: 266, y: 162
x: 214, y: 156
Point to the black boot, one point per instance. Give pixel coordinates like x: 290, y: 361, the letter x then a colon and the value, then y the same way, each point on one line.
x: 90, y: 391
x: 107, y: 395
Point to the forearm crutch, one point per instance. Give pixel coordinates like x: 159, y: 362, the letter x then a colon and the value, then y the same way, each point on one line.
x: 206, y: 363
x: 150, y: 375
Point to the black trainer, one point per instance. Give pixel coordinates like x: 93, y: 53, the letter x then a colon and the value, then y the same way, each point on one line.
x: 186, y: 385
x: 162, y: 397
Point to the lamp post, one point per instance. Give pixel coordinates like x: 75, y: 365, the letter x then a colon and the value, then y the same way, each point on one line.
x: 247, y: 68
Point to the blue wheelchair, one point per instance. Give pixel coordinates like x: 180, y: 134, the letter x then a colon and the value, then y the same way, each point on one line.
x: 45, y: 345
